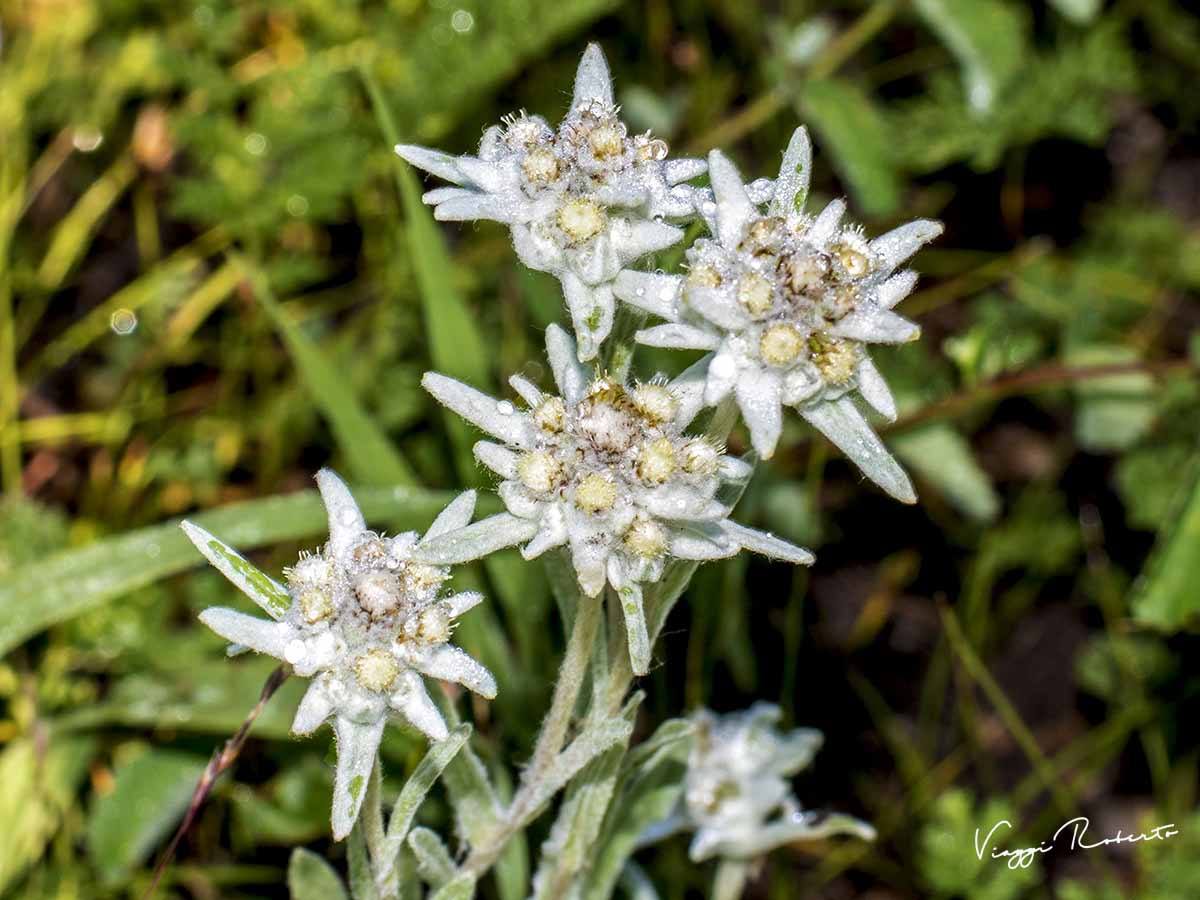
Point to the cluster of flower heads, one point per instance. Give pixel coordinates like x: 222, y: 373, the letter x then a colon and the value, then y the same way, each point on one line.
x: 608, y: 470
x: 365, y: 617
x: 737, y: 794
x: 583, y: 201
x: 784, y: 302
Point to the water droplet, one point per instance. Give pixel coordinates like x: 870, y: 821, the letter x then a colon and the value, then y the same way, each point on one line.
x: 347, y: 516
x: 123, y: 321
x: 504, y: 408
x: 297, y: 205
x: 462, y: 21
x: 86, y: 139
x: 641, y: 292
x: 708, y: 207
x: 152, y: 550
x: 255, y: 144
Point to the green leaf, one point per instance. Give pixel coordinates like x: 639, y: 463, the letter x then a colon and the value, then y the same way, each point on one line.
x: 362, y: 877
x: 461, y: 888
x: 39, y: 787
x: 942, y: 457
x: 1167, y: 595
x: 1115, y: 411
x: 472, y: 796
x: 428, y: 770
x: 987, y: 37
x: 854, y: 131
x: 370, y: 455
x: 212, y: 698
x: 311, y: 878
x: 150, y: 797
x: 433, y: 859
x: 59, y: 587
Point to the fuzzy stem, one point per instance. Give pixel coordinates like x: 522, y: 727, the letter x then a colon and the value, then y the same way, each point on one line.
x: 554, y: 731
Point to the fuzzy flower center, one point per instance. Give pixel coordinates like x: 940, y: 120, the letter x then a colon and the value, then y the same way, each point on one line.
x: 581, y: 219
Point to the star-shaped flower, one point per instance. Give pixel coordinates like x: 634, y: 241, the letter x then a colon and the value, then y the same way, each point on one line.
x: 607, y: 470
x: 787, y: 304
x: 365, y: 620
x: 583, y: 201
x: 738, y: 779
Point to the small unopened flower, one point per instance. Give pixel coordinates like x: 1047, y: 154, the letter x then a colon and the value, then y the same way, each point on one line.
x: 788, y: 303
x: 737, y: 793
x: 606, y: 469
x: 583, y: 200
x: 365, y: 620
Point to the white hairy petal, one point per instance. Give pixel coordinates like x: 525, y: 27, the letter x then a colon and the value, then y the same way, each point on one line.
x: 634, y: 239
x: 570, y: 377
x: 875, y: 390
x: 357, y: 744
x: 688, y: 388
x: 469, y: 207
x: 758, y: 397
x: 796, y: 751
x: 767, y: 544
x: 536, y: 252
x: 475, y: 541
x: 449, y: 663
x: 457, y: 604
x: 895, y: 289
x: 876, y: 326
x: 346, y: 522
x: 411, y: 700
x: 701, y: 542
x: 497, y: 457
x: 592, y: 79
x: 260, y: 635
x: 826, y: 223
x: 677, y: 170
x: 442, y: 194
x: 841, y: 422
x: 269, y: 594
x: 435, y: 162
x: 589, y: 559
x: 526, y: 389
x: 900, y: 243
x: 722, y: 375
x: 457, y: 514
x: 681, y: 502
x: 591, y: 309
x: 734, y: 209
x: 678, y: 337
x: 497, y: 418
x: 629, y: 595
x: 654, y: 293
x: 315, y: 707
x: 519, y: 502
x: 718, y: 307
x: 552, y: 532
x: 791, y: 188
x: 490, y: 176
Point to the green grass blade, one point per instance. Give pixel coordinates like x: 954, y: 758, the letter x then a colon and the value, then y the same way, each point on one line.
x: 987, y: 37
x: 1167, y: 596
x: 62, y: 586
x: 371, y: 457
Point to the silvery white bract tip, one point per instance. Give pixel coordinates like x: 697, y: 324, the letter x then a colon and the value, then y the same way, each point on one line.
x: 582, y: 201
x: 787, y: 303
x: 606, y: 470
x: 737, y: 794
x: 365, y: 618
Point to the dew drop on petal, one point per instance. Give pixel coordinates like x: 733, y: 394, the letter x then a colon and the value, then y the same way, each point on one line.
x: 504, y: 408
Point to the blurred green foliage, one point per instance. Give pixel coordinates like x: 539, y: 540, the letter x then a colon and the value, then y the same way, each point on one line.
x: 215, y: 277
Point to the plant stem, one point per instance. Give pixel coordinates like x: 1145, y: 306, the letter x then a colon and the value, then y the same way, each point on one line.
x: 554, y: 731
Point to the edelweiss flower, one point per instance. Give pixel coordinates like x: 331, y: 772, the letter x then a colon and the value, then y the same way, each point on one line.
x: 606, y: 469
x: 365, y: 620
x: 583, y: 201
x: 788, y: 303
x: 737, y: 779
